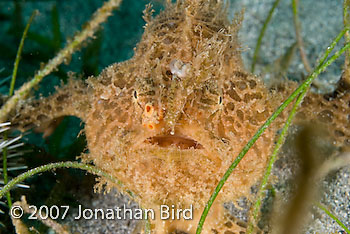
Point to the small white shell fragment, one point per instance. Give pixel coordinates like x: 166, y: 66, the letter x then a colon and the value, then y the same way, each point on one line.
x: 103, y: 96
x: 106, y: 94
x: 178, y: 68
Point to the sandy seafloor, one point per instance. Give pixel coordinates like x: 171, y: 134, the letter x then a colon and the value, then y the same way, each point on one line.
x: 321, y: 22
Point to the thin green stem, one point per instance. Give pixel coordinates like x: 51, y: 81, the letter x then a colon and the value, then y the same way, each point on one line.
x: 262, y: 33
x: 346, y: 18
x: 283, y: 136
x: 271, y: 162
x: 300, y: 42
x: 89, y: 30
x: 304, y: 86
x: 5, y: 175
x: 92, y: 169
x: 19, y: 52
x: 148, y: 227
x: 12, y: 87
x: 335, y: 218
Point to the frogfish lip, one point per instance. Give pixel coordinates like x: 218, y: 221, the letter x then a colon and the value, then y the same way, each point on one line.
x: 179, y: 141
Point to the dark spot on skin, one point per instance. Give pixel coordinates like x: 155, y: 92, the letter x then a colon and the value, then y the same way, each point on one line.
x: 36, y: 104
x: 157, y: 54
x: 228, y: 224
x: 143, y: 47
x: 330, y: 96
x: 233, y: 94
x: 207, y: 101
x: 214, y: 231
x: 240, y: 115
x: 161, y: 34
x: 229, y: 119
x: 230, y: 106
x: 247, y: 97
x: 41, y: 117
x: 241, y: 85
x: 151, y: 93
x: 229, y: 232
x: 120, y: 81
x: 240, y: 74
x: 131, y: 69
x: 59, y: 109
x: 241, y: 232
x: 307, y: 101
x: 252, y: 84
x: 62, y: 97
x: 325, y: 116
x: 242, y: 224
x: 257, y: 95
x: 29, y: 125
x: 183, y: 53
x: 105, y: 80
x: 96, y: 115
x: 339, y: 133
x: 256, y: 149
x: 168, y: 73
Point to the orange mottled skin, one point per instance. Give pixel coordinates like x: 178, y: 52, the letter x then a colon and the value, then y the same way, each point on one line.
x: 169, y: 121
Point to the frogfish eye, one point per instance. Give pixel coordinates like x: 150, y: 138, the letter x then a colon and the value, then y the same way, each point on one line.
x: 220, y: 100
x: 135, y: 94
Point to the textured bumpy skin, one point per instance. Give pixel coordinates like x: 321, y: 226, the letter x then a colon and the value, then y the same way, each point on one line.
x: 333, y: 112
x: 169, y: 121
x: 71, y: 99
